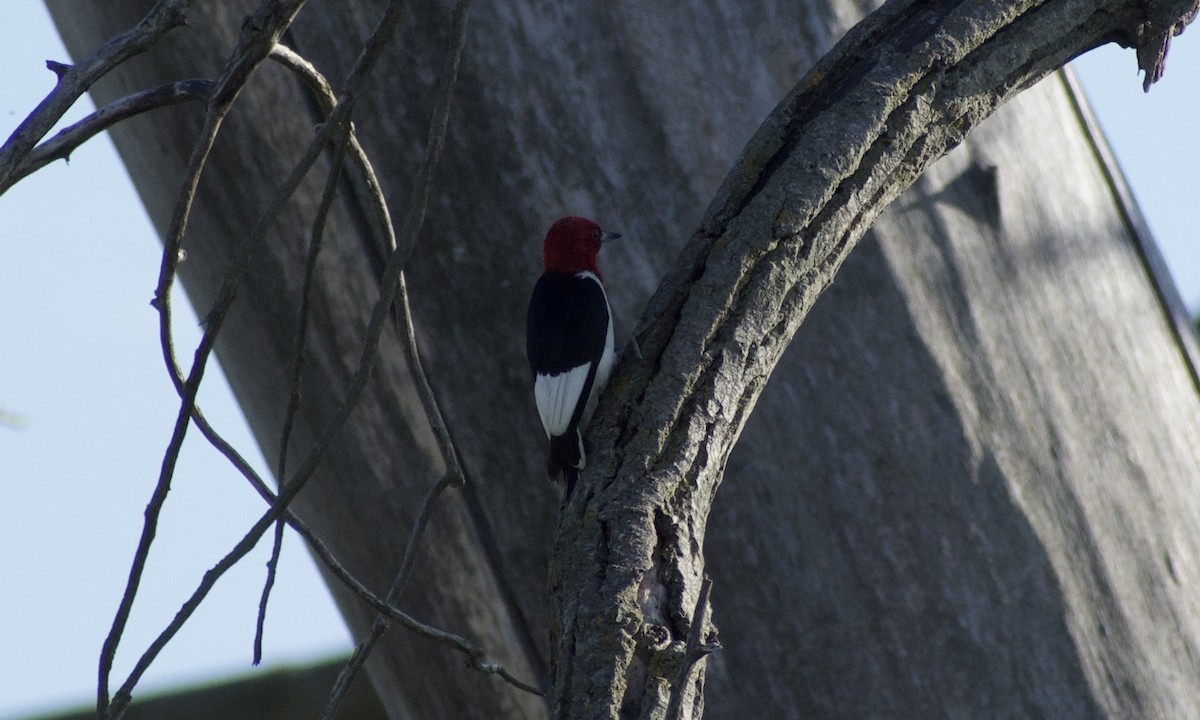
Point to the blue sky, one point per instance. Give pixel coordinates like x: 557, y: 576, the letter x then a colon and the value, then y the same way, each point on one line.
x: 80, y: 366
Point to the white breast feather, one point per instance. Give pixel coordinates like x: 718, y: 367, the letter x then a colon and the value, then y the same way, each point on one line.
x: 602, y: 372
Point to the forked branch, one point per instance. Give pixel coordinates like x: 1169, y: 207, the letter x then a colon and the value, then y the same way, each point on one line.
x: 67, y: 140
x: 74, y: 81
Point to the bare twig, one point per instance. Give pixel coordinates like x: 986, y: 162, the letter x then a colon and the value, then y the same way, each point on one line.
x: 413, y: 220
x: 310, y: 269
x: 290, y: 489
x: 75, y: 80
x: 380, y: 626
x: 390, y: 285
x: 272, y: 18
x: 407, y: 333
x: 324, y: 94
x: 259, y: 35
x: 476, y: 657
x: 272, y: 567
x: 67, y: 140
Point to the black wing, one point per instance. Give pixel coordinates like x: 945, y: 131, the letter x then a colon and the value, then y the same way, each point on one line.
x: 567, y: 323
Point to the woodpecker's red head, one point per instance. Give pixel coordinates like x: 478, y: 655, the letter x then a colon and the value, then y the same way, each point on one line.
x: 572, y: 245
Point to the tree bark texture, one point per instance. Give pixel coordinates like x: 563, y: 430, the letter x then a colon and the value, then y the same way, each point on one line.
x: 965, y: 492
x: 901, y: 89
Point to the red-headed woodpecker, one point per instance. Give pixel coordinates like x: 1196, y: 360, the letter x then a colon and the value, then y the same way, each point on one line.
x: 569, y: 340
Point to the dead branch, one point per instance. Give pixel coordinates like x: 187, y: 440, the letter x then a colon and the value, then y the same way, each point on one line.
x: 74, y: 81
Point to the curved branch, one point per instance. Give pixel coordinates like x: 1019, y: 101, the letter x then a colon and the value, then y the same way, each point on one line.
x: 74, y: 81
x: 476, y: 657
x: 323, y: 92
x: 898, y: 92
x: 413, y: 219
x: 293, y: 405
x: 67, y: 140
x: 259, y: 34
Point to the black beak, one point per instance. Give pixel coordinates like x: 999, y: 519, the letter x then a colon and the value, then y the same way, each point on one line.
x: 606, y: 236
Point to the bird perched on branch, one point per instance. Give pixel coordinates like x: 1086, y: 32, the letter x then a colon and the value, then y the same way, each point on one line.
x: 569, y: 340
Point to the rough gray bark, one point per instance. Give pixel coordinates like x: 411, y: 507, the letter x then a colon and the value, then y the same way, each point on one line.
x: 911, y: 524
x: 898, y: 91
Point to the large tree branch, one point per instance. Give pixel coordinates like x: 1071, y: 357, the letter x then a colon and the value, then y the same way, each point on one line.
x: 898, y: 92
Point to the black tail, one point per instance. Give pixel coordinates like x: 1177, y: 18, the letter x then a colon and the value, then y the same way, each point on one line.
x: 566, y: 457
x: 567, y: 471
x: 570, y: 475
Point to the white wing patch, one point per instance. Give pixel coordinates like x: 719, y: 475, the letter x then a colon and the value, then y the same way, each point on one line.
x: 603, y: 370
x: 557, y: 396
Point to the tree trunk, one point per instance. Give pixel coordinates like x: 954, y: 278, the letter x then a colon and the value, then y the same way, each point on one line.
x: 913, y: 523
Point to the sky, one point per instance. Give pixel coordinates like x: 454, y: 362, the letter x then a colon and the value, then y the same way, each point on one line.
x: 82, y: 377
